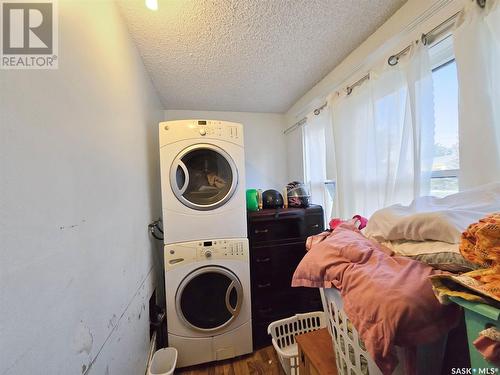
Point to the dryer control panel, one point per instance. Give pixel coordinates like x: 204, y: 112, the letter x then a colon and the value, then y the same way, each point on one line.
x: 197, y: 251
x: 173, y: 131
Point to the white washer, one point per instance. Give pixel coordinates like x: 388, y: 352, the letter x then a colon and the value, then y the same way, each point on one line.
x: 207, y: 287
x: 203, y: 180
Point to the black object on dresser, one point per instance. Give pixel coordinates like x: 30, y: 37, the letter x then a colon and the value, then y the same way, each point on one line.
x: 277, y: 244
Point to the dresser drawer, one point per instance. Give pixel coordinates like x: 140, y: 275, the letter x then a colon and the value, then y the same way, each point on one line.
x: 277, y: 256
x: 310, y: 299
x: 286, y: 227
x: 268, y: 304
x: 277, y: 245
x: 314, y: 224
x: 264, y: 284
x: 259, y: 334
x: 274, y: 306
x: 273, y: 266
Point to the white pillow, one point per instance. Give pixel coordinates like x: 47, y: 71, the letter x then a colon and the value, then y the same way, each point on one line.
x: 431, y: 218
x: 412, y: 248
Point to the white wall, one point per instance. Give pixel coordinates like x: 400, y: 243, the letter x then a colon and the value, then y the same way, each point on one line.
x: 295, y: 153
x: 265, y: 147
x: 79, y: 183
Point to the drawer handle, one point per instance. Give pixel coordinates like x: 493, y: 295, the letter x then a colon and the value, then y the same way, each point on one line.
x: 315, y: 226
x: 267, y: 285
x: 257, y: 231
x: 263, y: 260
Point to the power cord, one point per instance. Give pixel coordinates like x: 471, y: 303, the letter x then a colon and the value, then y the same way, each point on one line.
x: 156, y: 227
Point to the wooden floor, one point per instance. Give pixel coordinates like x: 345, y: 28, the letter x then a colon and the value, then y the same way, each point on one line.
x: 262, y: 362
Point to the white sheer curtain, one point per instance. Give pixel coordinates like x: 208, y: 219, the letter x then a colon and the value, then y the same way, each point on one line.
x: 383, y: 137
x: 477, y: 53
x: 317, y: 136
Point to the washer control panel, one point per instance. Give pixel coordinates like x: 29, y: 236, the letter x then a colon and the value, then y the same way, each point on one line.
x: 221, y: 249
x: 197, y: 251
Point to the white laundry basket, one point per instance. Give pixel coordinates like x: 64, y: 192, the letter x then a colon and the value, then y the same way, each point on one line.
x: 350, y: 352
x: 163, y: 362
x: 284, y: 331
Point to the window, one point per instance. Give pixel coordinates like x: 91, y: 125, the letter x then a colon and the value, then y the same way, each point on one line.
x: 316, y: 152
x: 445, y: 165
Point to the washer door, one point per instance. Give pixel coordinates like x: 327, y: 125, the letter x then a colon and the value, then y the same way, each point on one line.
x: 203, y: 177
x: 209, y: 298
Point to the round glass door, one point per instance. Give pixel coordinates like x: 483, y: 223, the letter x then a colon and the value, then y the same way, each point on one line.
x: 209, y: 298
x: 203, y: 177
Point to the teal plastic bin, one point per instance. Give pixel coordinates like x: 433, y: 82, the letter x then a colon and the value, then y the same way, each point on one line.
x: 478, y: 316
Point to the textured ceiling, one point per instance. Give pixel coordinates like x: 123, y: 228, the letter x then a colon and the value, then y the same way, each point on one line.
x: 247, y: 55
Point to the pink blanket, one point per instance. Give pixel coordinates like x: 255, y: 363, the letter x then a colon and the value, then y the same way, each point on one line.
x: 388, y: 298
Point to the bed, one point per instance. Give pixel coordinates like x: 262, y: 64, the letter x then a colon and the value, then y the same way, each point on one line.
x: 380, y: 279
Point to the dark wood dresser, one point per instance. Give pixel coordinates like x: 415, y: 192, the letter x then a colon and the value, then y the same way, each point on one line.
x: 277, y: 244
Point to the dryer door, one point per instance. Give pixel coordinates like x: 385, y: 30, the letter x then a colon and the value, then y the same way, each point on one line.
x: 209, y: 298
x: 203, y: 177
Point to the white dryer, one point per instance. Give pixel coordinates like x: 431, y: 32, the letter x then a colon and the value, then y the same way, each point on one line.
x: 203, y: 180
x: 207, y: 287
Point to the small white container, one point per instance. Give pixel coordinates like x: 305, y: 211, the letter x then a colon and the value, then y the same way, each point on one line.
x: 163, y: 362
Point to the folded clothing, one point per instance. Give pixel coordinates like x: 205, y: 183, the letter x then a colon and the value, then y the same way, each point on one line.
x: 431, y: 218
x: 488, y: 344
x: 465, y: 286
x: 388, y: 298
x: 450, y: 262
x: 480, y: 243
x: 440, y: 255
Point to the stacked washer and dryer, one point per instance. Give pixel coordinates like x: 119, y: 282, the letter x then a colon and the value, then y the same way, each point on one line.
x: 207, y: 273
